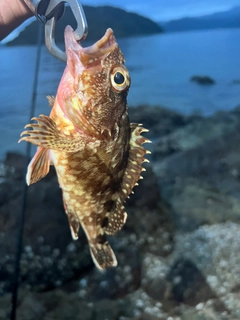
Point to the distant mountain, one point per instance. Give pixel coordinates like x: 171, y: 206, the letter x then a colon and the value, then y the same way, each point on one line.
x: 124, y: 24
x: 227, y: 19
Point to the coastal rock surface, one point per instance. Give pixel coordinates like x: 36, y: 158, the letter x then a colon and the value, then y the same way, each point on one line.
x: 203, y: 80
x: 178, y: 254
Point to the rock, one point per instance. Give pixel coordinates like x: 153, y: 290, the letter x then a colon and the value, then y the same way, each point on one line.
x: 203, y: 312
x: 201, y: 177
x: 178, y: 253
x: 5, y: 306
x: 203, y: 80
x: 158, y: 120
x: 50, y: 257
x: 235, y: 81
x: 196, y: 132
x: 55, y: 304
x: 187, y: 284
x: 195, y: 202
x: 214, y: 250
x: 144, y: 307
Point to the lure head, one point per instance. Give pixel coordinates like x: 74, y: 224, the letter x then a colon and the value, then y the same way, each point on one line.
x: 93, y: 90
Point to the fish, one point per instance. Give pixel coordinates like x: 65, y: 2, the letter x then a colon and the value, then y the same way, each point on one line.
x: 97, y: 153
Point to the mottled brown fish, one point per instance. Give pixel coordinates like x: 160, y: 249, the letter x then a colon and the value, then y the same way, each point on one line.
x: 96, y: 152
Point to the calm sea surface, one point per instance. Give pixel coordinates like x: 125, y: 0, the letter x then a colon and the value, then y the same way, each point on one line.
x: 160, y: 68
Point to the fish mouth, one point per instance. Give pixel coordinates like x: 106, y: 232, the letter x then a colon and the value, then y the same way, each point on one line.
x: 93, y: 53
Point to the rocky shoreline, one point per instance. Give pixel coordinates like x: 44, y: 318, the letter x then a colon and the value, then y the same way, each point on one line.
x: 178, y: 254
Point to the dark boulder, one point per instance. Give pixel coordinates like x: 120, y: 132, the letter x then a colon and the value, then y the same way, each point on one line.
x: 203, y: 80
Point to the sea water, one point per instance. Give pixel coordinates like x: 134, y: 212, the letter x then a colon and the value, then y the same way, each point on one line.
x: 160, y: 67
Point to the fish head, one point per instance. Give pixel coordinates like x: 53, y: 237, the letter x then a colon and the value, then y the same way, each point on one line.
x: 93, y: 90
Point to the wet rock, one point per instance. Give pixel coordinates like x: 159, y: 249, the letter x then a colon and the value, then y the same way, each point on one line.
x: 50, y: 257
x: 195, y: 133
x: 188, y: 284
x: 154, y: 276
x: 203, y: 311
x: 214, y: 250
x: 149, y: 217
x: 146, y: 194
x: 145, y: 307
x: 55, y: 304
x: 201, y: 183
x: 178, y: 253
x: 203, y: 80
x: 235, y: 81
x: 158, y: 120
x: 195, y: 202
x: 5, y: 306
x: 106, y: 309
x: 15, y: 164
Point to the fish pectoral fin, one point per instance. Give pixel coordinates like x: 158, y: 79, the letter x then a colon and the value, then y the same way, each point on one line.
x: 39, y: 166
x: 45, y: 134
x: 115, y: 219
x: 135, y: 160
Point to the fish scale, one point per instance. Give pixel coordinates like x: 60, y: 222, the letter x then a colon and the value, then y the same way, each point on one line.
x: 96, y: 152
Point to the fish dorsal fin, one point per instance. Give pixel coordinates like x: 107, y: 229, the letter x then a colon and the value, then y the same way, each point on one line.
x: 135, y: 160
x: 39, y: 166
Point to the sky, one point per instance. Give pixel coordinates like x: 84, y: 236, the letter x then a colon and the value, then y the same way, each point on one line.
x: 158, y: 10
x: 162, y: 10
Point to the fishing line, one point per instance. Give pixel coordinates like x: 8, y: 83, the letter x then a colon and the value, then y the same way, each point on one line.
x: 21, y: 215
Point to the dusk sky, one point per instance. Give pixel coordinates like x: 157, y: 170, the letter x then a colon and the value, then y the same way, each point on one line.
x: 161, y: 10
x: 157, y: 10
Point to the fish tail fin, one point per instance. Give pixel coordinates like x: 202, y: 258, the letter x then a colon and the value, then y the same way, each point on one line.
x: 102, y: 255
x: 39, y: 166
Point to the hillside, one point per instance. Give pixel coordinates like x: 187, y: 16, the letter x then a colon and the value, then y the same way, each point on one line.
x: 227, y: 19
x: 99, y: 19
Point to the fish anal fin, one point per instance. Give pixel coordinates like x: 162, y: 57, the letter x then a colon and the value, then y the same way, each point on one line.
x: 135, y: 160
x: 39, y: 166
x: 115, y: 219
x: 45, y: 133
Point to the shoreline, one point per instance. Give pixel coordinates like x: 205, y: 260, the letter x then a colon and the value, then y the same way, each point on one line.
x: 183, y: 223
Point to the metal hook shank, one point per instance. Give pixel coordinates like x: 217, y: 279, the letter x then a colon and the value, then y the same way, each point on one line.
x: 52, y: 15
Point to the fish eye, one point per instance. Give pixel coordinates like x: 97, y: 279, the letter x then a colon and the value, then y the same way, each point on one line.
x: 120, y: 79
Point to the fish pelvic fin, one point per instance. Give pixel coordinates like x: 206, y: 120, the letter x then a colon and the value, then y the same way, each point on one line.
x: 102, y: 255
x: 51, y: 100
x: 39, y: 166
x: 44, y: 133
x: 74, y: 223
